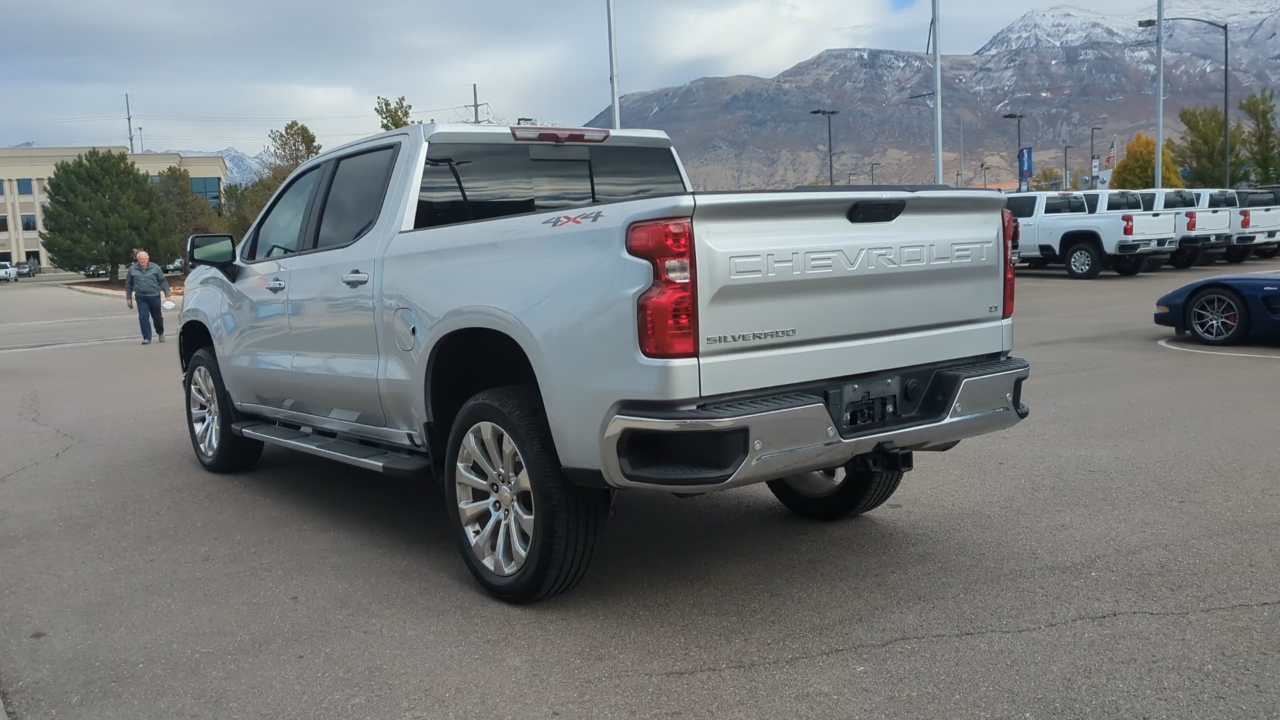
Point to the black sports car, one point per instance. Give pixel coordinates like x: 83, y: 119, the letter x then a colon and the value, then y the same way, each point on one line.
x: 1224, y: 310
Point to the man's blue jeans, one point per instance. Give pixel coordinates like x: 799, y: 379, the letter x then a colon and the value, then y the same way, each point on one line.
x: 149, y: 312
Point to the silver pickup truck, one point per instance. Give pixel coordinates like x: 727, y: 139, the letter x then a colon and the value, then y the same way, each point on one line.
x: 540, y: 317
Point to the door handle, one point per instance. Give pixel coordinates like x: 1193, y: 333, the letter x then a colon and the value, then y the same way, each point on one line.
x: 355, y: 278
x: 276, y: 285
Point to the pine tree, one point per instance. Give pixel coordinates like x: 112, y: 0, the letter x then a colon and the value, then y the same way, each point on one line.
x: 187, y: 213
x: 101, y: 211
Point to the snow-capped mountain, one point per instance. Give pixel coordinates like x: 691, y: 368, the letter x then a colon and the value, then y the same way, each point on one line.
x: 1065, y: 69
x: 242, y: 168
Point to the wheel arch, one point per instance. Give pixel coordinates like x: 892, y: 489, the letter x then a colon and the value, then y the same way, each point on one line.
x: 1075, y: 237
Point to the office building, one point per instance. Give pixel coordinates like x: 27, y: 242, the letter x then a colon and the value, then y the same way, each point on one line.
x: 24, y: 176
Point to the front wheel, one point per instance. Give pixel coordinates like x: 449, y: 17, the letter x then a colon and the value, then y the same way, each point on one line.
x: 1084, y: 261
x: 1218, y: 316
x: 209, y: 415
x: 1267, y: 253
x: 525, y: 532
x: 834, y: 494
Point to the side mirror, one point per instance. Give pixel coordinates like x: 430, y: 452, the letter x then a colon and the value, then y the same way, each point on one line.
x: 213, y: 250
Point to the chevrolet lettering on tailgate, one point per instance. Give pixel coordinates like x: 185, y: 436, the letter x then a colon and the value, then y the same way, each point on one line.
x: 862, y: 260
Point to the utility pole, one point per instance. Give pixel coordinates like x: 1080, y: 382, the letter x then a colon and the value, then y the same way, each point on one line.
x: 1093, y: 171
x: 613, y: 69
x: 873, y: 173
x: 129, y: 115
x: 983, y: 165
x: 142, y: 147
x: 960, y: 172
x: 1160, y: 94
x: 851, y: 178
x: 831, y: 158
x: 1226, y: 93
x: 475, y: 101
x: 937, y: 98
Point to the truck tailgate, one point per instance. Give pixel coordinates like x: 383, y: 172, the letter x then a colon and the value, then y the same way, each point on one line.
x: 1264, y: 219
x: 791, y: 289
x: 1217, y: 220
x: 1152, y: 225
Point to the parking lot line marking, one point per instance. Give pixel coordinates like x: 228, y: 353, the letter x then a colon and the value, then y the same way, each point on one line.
x: 1165, y: 343
x: 70, y: 343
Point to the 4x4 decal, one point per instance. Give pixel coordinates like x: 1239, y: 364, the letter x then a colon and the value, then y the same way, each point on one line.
x: 563, y: 220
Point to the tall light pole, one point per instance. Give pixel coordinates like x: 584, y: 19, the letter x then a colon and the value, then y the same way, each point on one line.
x: 1093, y: 172
x: 1018, y: 117
x: 983, y: 166
x: 613, y: 68
x: 1226, y: 88
x: 937, y: 99
x: 1065, y: 148
x: 1159, y: 23
x: 831, y: 158
x: 873, y: 173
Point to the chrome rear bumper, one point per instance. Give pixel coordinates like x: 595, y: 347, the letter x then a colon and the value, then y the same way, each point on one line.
x: 802, y: 437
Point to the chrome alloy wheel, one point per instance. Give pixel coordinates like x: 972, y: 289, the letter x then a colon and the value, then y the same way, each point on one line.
x: 495, y: 499
x: 819, y: 483
x: 1081, y: 261
x: 204, y: 411
x: 1215, y: 316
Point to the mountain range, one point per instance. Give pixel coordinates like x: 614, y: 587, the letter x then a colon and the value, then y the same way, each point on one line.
x: 1066, y: 69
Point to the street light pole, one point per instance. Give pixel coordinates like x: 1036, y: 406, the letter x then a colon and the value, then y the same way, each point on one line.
x: 1159, y: 94
x: 1065, y: 148
x: 1018, y: 117
x: 831, y: 158
x: 983, y: 166
x: 613, y: 67
x: 873, y: 172
x: 937, y: 98
x: 1226, y: 87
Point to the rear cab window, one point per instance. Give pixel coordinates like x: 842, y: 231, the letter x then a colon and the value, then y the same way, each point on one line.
x: 1259, y: 198
x: 465, y: 182
x: 1148, y: 201
x: 1222, y: 200
x: 1064, y: 204
x: 1179, y: 199
x: 1091, y: 200
x: 1022, y: 206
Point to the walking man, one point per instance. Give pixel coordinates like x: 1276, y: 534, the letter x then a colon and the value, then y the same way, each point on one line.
x: 146, y: 281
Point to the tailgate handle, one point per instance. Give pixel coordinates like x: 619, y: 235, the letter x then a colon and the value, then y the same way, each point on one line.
x: 876, y: 211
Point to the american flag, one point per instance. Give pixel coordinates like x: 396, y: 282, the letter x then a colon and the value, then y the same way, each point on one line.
x: 1111, y: 154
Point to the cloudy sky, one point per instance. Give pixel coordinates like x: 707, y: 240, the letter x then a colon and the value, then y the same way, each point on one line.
x: 209, y: 75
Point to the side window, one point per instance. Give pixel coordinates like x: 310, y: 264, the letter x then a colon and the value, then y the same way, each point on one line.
x: 1077, y: 204
x: 463, y: 182
x: 355, y: 197
x: 1022, y: 207
x: 1055, y: 205
x: 1091, y: 200
x: 280, y: 230
x: 1148, y: 201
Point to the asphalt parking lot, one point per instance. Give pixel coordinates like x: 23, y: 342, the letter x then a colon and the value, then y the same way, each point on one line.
x: 1115, y: 556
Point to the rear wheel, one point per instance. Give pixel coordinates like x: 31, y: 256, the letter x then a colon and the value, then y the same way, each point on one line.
x: 1084, y: 261
x: 1218, y: 316
x: 1183, y: 259
x: 1129, y: 266
x: 1267, y: 253
x: 834, y: 494
x: 525, y: 532
x: 209, y: 416
x: 1237, y: 254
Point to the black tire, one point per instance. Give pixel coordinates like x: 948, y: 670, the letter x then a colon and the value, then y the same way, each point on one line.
x: 1216, y: 300
x: 1084, y: 261
x: 1267, y: 253
x: 1183, y: 259
x: 1129, y: 266
x: 567, y: 519
x: 1237, y: 254
x: 1038, y: 263
x: 824, y: 495
x: 231, y: 453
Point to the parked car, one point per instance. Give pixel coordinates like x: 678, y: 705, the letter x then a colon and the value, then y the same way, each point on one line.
x: 173, y: 267
x: 1060, y: 227
x: 1260, y: 212
x: 25, y: 270
x: 1224, y: 310
x: 543, y: 316
x: 94, y: 271
x: 8, y: 273
x: 1204, y: 231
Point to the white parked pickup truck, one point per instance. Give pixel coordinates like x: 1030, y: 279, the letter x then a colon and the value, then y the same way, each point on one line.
x: 1257, y: 230
x: 543, y: 316
x: 1090, y: 231
x: 1204, y: 232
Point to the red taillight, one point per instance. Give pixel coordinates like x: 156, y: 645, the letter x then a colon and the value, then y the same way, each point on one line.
x: 1191, y: 222
x: 528, y: 133
x: 1011, y: 233
x: 667, y: 313
x: 1128, y: 224
x: 1244, y: 218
